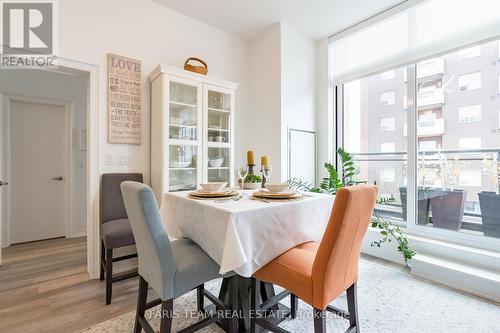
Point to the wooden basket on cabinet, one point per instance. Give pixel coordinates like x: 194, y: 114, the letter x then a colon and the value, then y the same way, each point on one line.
x: 197, y: 69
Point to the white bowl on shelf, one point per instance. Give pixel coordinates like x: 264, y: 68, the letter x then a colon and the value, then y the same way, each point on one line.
x: 277, y: 188
x: 213, y: 186
x: 216, y: 162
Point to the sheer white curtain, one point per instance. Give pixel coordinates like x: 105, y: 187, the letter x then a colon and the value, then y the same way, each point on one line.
x: 425, y: 29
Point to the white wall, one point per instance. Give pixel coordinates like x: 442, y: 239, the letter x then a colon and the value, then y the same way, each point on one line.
x: 67, y: 88
x: 263, y: 120
x: 90, y: 29
x: 298, y: 87
x: 282, y: 93
x: 324, y: 114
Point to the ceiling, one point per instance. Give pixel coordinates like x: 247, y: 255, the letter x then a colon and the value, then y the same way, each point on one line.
x: 316, y: 19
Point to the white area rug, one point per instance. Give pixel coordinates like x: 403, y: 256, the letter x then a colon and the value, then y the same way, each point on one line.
x: 390, y: 300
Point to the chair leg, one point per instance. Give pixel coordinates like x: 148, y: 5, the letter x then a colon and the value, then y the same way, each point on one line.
x: 233, y: 319
x: 109, y: 275
x: 352, y: 306
x: 254, y: 313
x: 103, y: 254
x: 167, y: 308
x: 141, y: 304
x: 293, y: 306
x: 319, y: 321
x: 200, y: 298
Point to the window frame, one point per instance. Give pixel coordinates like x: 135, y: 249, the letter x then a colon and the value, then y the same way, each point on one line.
x: 411, y: 227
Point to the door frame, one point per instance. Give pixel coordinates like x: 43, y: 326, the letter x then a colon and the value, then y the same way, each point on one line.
x: 93, y: 101
x: 68, y: 158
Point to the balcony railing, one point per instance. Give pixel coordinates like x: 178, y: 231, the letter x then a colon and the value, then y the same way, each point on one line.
x: 430, y: 98
x: 432, y: 127
x: 430, y: 68
x: 472, y: 220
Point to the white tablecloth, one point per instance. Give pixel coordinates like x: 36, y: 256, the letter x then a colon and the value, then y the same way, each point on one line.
x: 245, y: 235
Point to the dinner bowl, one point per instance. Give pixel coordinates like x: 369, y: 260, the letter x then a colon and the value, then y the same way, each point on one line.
x: 214, y: 186
x: 216, y: 162
x: 277, y: 188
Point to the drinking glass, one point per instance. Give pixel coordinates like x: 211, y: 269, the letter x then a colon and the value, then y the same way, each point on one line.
x: 242, y: 173
x: 267, y: 170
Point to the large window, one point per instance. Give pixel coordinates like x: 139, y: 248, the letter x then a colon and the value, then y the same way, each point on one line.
x: 470, y: 81
x: 379, y: 151
x: 436, y: 152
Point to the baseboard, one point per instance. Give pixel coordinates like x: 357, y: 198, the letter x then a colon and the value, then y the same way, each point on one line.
x: 473, y: 280
x: 77, y: 233
x: 471, y: 270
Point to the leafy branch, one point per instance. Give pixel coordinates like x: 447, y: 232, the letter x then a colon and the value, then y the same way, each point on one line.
x: 389, y: 232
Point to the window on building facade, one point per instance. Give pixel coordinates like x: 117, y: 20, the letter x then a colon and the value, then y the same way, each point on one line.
x: 388, y: 124
x: 469, y: 113
x: 427, y: 145
x: 387, y: 98
x: 387, y: 147
x: 469, y: 82
x: 469, y: 143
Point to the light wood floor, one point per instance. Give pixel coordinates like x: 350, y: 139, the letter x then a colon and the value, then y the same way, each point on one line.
x: 45, y: 287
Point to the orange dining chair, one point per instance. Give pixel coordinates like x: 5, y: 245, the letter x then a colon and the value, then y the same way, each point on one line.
x: 319, y: 273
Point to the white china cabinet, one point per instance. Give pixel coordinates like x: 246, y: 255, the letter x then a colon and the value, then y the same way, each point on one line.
x: 192, y: 130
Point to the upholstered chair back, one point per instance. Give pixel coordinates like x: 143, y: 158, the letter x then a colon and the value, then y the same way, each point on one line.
x: 335, y: 266
x: 111, y: 200
x: 156, y: 260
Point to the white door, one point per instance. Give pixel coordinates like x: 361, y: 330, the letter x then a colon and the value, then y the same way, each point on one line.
x: 37, y: 169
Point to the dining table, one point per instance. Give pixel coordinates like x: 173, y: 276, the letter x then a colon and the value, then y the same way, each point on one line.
x: 243, y: 233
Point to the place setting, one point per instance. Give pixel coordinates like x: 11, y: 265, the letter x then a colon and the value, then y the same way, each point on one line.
x: 216, y: 191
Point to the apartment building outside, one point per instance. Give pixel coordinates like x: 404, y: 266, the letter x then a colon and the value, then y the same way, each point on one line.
x: 458, y: 123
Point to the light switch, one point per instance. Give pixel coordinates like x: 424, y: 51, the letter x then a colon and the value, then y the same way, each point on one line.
x: 124, y: 160
x: 108, y: 159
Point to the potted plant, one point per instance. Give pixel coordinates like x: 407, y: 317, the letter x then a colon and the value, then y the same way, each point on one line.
x: 447, y: 204
x: 251, y: 182
x: 489, y: 202
x: 423, y: 204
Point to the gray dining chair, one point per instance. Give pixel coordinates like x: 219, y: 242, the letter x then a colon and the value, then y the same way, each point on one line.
x: 171, y: 268
x: 115, y: 228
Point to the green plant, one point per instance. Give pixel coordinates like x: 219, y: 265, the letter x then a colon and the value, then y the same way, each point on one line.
x: 335, y: 179
x: 252, y: 179
x: 390, y: 231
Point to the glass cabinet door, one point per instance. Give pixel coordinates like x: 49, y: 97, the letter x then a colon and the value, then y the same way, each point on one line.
x: 218, y: 133
x: 184, y: 129
x: 183, y: 111
x: 183, y: 167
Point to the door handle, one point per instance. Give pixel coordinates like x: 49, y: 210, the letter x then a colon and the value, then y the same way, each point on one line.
x: 2, y: 183
x: 60, y: 178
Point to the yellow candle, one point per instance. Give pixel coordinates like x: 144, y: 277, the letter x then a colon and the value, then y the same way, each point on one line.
x: 250, y: 158
x: 264, y: 161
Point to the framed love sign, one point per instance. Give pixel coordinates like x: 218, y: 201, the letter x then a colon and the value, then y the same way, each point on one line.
x: 124, y: 100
